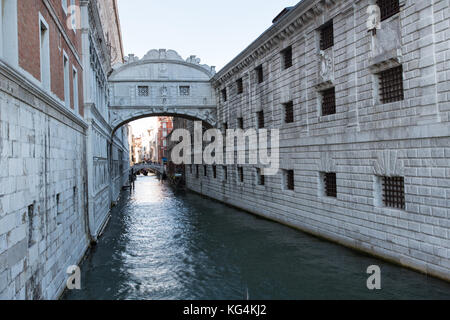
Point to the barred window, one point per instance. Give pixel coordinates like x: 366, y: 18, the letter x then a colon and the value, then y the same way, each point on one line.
x: 260, y: 177
x: 143, y: 91
x: 224, y: 95
x: 289, y: 112
x: 327, y: 36
x: 240, y: 86
x: 287, y: 57
x: 388, y: 8
x: 260, y: 116
x: 330, y: 184
x: 241, y: 174
x: 260, y: 74
x: 289, y: 179
x: 240, y: 123
x: 214, y: 172
x: 391, y: 85
x: 328, y: 102
x: 394, y: 192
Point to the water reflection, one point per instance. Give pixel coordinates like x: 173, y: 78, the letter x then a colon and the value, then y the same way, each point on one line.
x: 166, y: 245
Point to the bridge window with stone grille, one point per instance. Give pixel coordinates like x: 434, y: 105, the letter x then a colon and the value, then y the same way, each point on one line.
x: 143, y: 91
x: 388, y: 8
x: 327, y: 36
x: 391, y: 85
x: 260, y: 74
x: 260, y: 119
x: 289, y: 112
x: 287, y: 57
x: 394, y: 192
x: 328, y: 102
x: 185, y: 90
x: 330, y: 184
x: 240, y: 86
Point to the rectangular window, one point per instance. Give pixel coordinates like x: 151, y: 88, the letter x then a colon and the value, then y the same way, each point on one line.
x: 260, y: 74
x: 76, y: 107
x: 260, y: 177
x: 205, y: 171
x: 75, y: 200
x: 289, y: 179
x: 164, y: 125
x: 287, y: 57
x: 66, y: 80
x: 225, y: 127
x: 185, y: 90
x: 45, y: 54
x: 58, y: 204
x: 8, y: 31
x: 260, y: 118
x: 328, y: 102
x: 30, y: 226
x: 240, y: 86
x: 225, y: 173
x: 241, y: 174
x: 190, y: 169
x: 240, y: 123
x: 73, y: 15
x: 327, y: 36
x: 391, y: 85
x: 388, y: 8
x: 64, y: 5
x: 164, y: 143
x: 214, y: 172
x: 224, y: 95
x: 330, y: 184
x: 394, y: 192
x: 197, y: 172
x: 289, y: 112
x: 143, y: 91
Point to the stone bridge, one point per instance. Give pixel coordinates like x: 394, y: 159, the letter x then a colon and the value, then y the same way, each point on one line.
x: 161, y: 84
x: 157, y: 168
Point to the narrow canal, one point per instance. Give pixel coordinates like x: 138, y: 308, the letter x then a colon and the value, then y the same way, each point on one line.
x: 162, y: 244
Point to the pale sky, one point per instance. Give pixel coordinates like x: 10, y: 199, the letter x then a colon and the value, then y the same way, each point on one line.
x: 215, y: 31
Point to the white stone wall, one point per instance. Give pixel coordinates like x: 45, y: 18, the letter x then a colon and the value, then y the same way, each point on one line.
x: 362, y: 141
x: 42, y: 160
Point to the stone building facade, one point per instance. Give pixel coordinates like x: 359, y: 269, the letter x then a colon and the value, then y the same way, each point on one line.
x: 47, y: 143
x: 363, y: 115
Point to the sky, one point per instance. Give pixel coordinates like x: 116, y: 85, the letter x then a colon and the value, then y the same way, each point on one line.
x: 215, y: 31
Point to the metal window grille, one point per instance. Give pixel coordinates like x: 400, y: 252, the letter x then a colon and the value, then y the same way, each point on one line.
x: 240, y: 86
x: 261, y: 177
x: 394, y: 192
x: 241, y: 174
x: 391, y: 85
x: 326, y: 36
x: 289, y: 112
x: 290, y: 179
x: 329, y: 102
x: 330, y: 184
x: 287, y: 57
x: 260, y: 74
x: 260, y: 119
x: 388, y: 8
x: 143, y: 91
x: 224, y: 95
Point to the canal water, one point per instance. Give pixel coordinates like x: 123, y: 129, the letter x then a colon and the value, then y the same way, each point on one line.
x: 163, y: 244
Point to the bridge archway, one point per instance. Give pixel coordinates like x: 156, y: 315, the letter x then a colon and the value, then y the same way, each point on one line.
x: 161, y: 84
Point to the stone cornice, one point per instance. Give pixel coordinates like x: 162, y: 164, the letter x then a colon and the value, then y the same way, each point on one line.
x: 22, y: 83
x: 298, y: 17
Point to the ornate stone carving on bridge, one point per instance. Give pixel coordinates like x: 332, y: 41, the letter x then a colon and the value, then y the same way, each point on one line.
x: 175, y: 87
